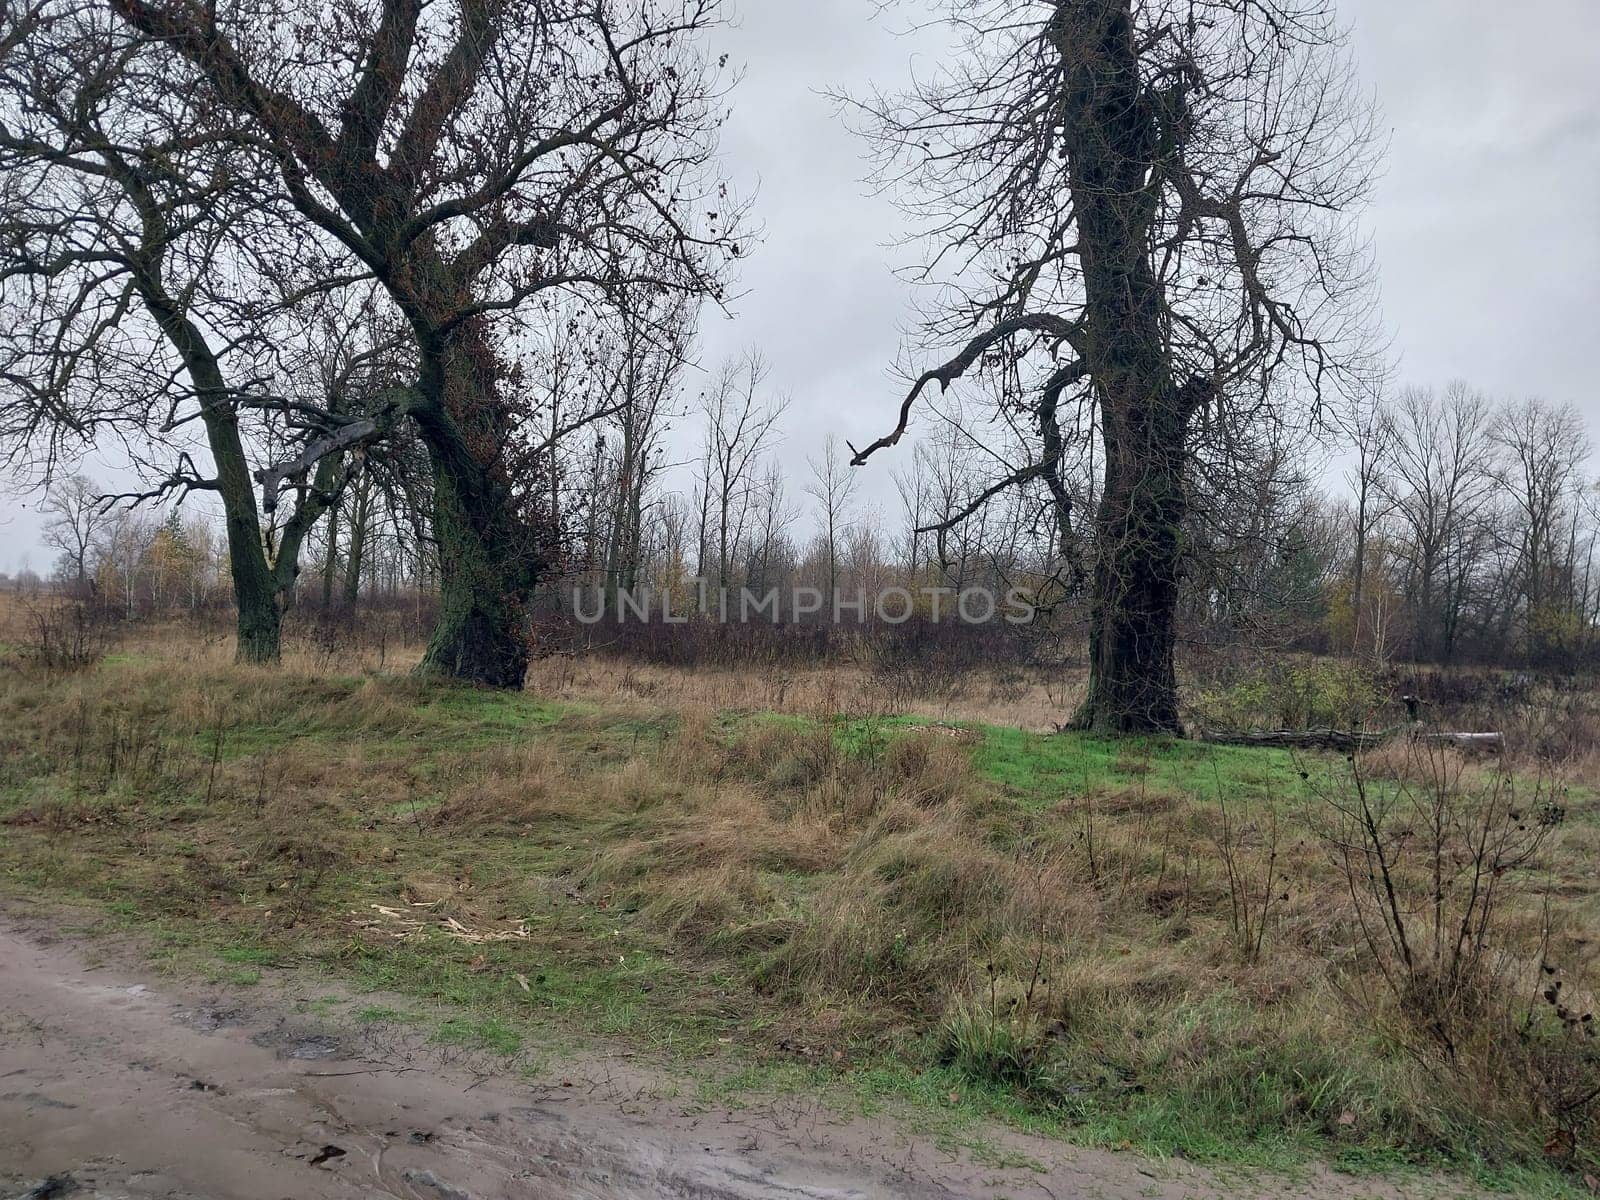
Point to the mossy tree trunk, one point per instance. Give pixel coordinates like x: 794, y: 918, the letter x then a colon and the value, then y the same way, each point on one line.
x: 1133, y: 685
x: 257, y: 583
x: 490, y: 555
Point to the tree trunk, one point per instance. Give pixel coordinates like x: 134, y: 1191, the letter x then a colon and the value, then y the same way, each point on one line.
x: 1133, y: 685
x: 330, y: 559
x: 361, y: 517
x: 260, y: 636
x: 483, y: 588
x: 489, y: 558
x: 255, y: 591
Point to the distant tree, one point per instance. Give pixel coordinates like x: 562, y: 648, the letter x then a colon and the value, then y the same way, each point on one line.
x: 75, y: 513
x: 1541, y: 449
x: 741, y: 424
x: 641, y: 385
x: 832, y: 486
x: 1370, y: 434
x: 1437, y: 483
x: 1142, y: 210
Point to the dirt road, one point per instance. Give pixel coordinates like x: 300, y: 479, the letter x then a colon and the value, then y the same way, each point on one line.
x: 114, y: 1085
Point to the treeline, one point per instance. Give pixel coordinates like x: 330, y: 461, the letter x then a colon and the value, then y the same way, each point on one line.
x: 1463, y: 529
x: 138, y: 563
x: 1460, y: 529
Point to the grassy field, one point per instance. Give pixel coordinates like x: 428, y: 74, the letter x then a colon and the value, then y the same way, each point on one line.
x: 1158, y: 944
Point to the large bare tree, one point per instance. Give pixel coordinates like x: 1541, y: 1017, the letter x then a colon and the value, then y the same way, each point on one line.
x: 478, y: 156
x: 1139, y: 209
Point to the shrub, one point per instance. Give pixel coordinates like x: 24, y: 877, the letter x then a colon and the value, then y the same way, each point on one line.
x: 67, y: 636
x: 1433, y: 863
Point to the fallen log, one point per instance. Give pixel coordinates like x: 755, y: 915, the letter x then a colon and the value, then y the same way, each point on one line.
x: 1350, y: 740
x: 1346, y: 740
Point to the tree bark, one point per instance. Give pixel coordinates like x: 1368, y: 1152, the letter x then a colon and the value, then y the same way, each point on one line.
x: 255, y: 588
x: 489, y: 558
x: 1133, y: 686
x: 330, y: 559
x: 361, y: 517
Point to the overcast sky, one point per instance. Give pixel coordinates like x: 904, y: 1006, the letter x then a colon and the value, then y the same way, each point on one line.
x: 1486, y: 220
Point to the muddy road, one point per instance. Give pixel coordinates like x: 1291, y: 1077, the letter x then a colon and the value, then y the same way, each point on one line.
x: 114, y: 1084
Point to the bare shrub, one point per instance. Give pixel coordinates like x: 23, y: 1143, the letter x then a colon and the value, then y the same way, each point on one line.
x: 918, y: 665
x: 1438, y: 861
x: 1251, y: 889
x: 67, y: 636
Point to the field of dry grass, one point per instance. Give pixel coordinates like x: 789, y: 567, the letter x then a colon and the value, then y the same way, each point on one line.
x: 1231, y: 954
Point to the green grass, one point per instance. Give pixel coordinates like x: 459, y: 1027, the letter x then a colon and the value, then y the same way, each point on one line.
x: 485, y: 1033
x: 1042, y: 769
x: 249, y: 955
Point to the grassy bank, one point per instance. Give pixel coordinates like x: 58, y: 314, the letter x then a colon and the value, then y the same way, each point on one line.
x: 1152, y: 944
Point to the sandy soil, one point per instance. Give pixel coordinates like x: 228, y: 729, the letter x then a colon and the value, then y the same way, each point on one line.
x: 115, y: 1085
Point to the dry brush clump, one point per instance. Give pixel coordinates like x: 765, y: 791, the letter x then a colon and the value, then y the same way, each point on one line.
x: 757, y: 817
x: 59, y: 635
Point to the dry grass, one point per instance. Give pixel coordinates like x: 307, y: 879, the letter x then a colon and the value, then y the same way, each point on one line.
x: 1027, y: 698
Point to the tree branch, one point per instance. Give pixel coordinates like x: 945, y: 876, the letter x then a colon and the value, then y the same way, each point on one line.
x: 1047, y: 323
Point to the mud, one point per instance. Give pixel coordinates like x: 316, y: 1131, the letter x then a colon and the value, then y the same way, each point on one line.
x: 115, y: 1085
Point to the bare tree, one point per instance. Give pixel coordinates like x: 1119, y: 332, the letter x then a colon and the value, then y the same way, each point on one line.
x: 1370, y: 433
x: 741, y: 425
x: 770, y: 554
x: 479, y: 158
x: 1438, y: 485
x: 1141, y: 209
x: 1542, y: 448
x: 74, y: 517
x: 642, y: 383
x: 130, y: 310
x: 832, y: 486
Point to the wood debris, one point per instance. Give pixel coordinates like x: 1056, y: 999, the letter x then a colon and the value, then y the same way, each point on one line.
x: 412, y: 924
